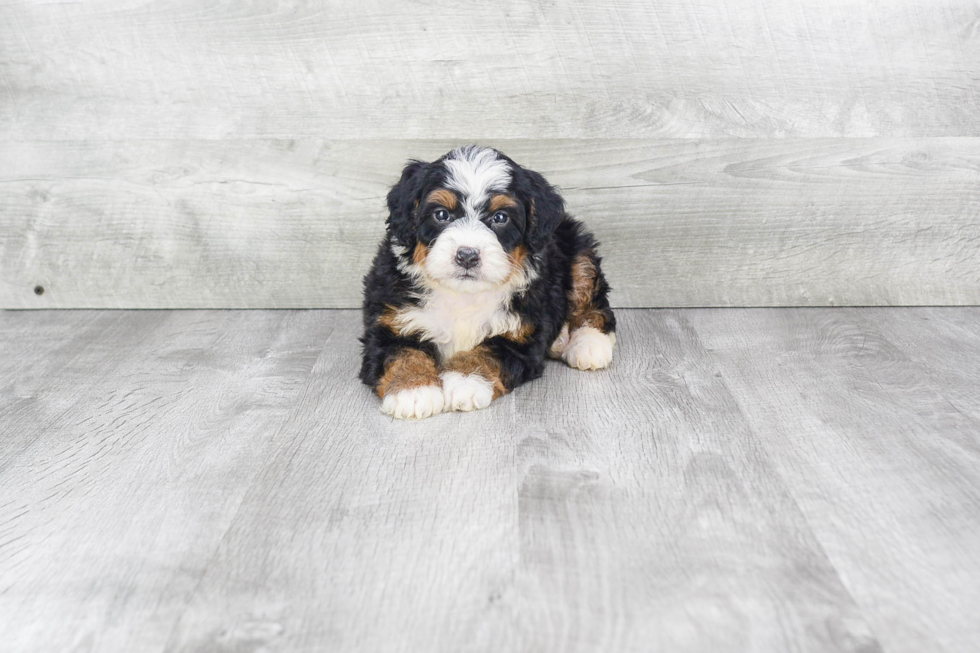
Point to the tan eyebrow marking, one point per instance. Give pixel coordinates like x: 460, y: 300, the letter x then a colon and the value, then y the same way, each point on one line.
x: 442, y: 196
x: 498, y: 202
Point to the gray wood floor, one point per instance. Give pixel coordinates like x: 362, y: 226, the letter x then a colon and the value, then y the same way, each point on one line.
x: 739, y: 480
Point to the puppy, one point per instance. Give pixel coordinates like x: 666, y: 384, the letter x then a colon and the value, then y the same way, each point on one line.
x: 480, y: 275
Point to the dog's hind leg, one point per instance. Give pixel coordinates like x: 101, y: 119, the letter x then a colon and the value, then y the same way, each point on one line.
x: 587, y: 339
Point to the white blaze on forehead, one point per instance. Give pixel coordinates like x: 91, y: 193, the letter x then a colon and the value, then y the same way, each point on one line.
x: 476, y: 172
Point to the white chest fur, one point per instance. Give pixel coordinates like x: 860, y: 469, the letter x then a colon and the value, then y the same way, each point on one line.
x: 457, y: 321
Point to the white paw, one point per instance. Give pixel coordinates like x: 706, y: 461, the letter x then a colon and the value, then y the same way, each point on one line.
x: 414, y: 403
x: 466, y: 391
x: 589, y: 349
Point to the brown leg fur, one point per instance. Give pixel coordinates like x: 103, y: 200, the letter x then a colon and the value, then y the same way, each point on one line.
x: 478, y: 361
x: 410, y: 368
x: 581, y: 309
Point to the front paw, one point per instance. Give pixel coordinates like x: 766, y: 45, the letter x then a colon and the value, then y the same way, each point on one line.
x: 414, y: 403
x: 466, y: 391
x: 589, y: 349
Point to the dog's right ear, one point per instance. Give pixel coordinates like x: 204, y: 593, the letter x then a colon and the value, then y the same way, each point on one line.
x: 403, y: 198
x: 545, y: 208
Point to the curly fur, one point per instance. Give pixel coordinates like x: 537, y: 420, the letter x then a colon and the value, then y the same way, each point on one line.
x: 538, y: 280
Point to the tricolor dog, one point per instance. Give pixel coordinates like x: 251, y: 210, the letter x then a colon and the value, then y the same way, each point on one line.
x: 481, y: 274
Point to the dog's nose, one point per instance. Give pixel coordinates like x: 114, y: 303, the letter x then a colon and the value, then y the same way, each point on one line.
x: 467, y: 257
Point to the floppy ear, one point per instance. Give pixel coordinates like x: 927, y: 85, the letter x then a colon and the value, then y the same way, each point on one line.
x: 402, y: 200
x: 545, y: 209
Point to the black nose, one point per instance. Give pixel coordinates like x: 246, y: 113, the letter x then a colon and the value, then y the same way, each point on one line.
x: 467, y: 257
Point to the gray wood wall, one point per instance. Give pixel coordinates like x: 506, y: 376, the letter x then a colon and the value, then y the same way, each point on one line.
x: 224, y: 154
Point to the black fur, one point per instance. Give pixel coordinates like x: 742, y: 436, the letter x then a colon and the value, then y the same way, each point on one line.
x: 551, y: 236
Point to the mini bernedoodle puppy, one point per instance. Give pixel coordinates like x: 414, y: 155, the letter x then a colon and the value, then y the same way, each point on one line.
x: 480, y: 275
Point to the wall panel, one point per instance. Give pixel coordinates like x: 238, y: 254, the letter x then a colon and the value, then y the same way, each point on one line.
x: 335, y: 69
x: 224, y: 154
x: 276, y: 223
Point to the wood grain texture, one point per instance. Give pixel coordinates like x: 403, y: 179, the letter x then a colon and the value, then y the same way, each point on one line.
x: 128, y: 69
x: 295, y: 223
x: 530, y: 527
x: 738, y: 480
x: 880, y: 444
x: 118, y: 438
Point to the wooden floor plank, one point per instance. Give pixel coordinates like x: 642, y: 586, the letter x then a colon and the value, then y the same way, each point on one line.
x: 944, y: 342
x: 53, y: 357
x: 32, y: 346
x: 683, y: 523
x: 739, y: 480
x: 364, y: 533
x: 572, y: 516
x: 110, y: 515
x: 886, y: 470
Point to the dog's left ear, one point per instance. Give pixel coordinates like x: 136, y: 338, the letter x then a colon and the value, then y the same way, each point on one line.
x: 545, y: 208
x: 402, y: 200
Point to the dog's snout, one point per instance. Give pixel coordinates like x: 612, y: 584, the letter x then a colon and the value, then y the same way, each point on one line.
x: 467, y: 257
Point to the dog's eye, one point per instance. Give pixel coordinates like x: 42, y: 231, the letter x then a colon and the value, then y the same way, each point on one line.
x: 500, y: 217
x: 442, y: 215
